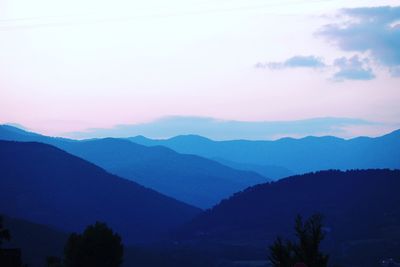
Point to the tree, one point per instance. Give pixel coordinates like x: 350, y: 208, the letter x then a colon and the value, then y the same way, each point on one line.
x: 281, y: 253
x: 310, y: 235
x: 4, y: 233
x: 98, y: 246
x: 307, y: 250
x: 53, y: 261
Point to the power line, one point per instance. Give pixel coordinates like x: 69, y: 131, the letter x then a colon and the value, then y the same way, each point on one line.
x: 38, y: 23
x: 190, y: 12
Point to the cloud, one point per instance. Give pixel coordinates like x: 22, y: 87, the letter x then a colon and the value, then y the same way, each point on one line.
x: 395, y: 71
x: 226, y: 129
x: 353, y: 68
x: 294, y: 62
x: 372, y: 30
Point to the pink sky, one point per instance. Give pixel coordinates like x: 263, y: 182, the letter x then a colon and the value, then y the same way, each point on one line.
x: 82, y: 64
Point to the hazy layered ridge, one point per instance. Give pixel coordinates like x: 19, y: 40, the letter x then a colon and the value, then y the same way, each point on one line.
x: 46, y: 185
x: 192, y: 179
x: 291, y: 155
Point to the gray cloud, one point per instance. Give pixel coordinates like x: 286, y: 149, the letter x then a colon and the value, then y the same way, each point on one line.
x: 374, y: 30
x: 294, y: 62
x: 395, y: 71
x: 352, y: 68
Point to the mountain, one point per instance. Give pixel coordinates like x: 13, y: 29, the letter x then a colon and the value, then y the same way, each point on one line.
x: 193, y: 179
x: 46, y: 185
x: 361, y: 210
x: 36, y: 241
x: 295, y: 155
x: 221, y: 129
x: 201, y: 146
x: 272, y: 171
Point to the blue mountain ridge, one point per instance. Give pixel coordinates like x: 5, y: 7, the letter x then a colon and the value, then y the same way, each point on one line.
x: 46, y: 185
x: 193, y: 179
x: 292, y: 156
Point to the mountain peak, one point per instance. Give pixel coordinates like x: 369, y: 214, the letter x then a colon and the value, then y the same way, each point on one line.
x: 395, y: 133
x: 13, y: 127
x: 139, y: 137
x: 8, y: 130
x: 190, y: 137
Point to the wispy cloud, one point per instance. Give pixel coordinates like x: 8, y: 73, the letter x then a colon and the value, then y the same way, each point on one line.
x: 294, y: 62
x: 353, y: 68
x: 372, y: 30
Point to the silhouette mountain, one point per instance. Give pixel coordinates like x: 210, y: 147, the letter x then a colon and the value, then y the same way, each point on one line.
x: 295, y: 155
x: 46, y: 185
x: 195, y: 180
x: 361, y: 210
x: 36, y: 241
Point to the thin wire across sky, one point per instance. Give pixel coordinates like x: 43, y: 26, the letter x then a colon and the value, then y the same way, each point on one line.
x: 90, y: 18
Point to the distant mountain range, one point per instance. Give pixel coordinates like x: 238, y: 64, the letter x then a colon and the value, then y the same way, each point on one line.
x: 193, y: 179
x: 291, y: 156
x: 274, y: 172
x: 361, y: 210
x: 46, y: 185
x: 54, y: 186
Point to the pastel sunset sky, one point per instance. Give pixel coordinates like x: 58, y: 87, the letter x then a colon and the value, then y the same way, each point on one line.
x: 86, y: 68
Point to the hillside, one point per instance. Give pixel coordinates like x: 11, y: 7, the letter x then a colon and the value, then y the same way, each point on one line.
x: 361, y: 209
x: 272, y: 171
x: 46, y: 185
x: 294, y: 155
x: 193, y: 179
x: 36, y: 241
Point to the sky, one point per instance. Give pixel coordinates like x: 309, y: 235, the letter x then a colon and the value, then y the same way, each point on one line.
x: 92, y: 68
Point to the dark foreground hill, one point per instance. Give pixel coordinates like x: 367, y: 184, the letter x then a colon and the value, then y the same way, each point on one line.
x: 192, y: 179
x: 44, y: 184
x: 36, y: 241
x: 361, y: 209
x: 291, y: 155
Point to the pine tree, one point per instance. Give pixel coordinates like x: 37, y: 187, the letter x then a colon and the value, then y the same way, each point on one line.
x: 4, y: 233
x: 98, y: 246
x: 307, y: 250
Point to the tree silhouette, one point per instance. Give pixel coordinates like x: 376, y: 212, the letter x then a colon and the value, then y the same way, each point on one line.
x: 98, y: 246
x: 306, y: 251
x: 310, y: 235
x: 281, y: 253
x: 52, y: 261
x: 4, y: 233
